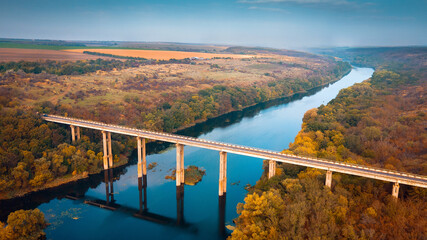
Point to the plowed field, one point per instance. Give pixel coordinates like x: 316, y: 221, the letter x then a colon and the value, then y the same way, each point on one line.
x: 157, y: 54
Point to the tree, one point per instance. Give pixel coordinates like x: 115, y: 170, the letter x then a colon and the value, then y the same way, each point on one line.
x: 43, y: 173
x: 24, y: 224
x: 20, y: 175
x: 259, y: 216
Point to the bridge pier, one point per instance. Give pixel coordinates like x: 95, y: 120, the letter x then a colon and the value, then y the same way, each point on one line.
x: 179, y: 164
x: 395, y: 192
x: 105, y: 157
x: 328, y: 181
x: 78, y: 133
x: 142, y: 161
x: 271, y: 168
x: 108, y: 154
x: 222, y: 173
x: 73, y: 133
x: 110, y: 150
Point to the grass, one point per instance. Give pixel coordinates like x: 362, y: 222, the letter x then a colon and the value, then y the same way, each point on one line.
x: 263, y: 66
x: 36, y: 46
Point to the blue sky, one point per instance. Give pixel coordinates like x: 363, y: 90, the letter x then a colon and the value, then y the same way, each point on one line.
x: 292, y: 24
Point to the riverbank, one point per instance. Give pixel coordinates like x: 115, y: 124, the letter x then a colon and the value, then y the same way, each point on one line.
x: 57, y: 182
x: 187, y: 126
x: 53, y: 184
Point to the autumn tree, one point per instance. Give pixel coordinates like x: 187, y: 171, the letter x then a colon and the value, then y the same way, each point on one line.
x: 25, y: 225
x: 259, y: 216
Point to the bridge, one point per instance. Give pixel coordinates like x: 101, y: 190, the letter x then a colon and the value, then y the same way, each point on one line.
x: 224, y: 148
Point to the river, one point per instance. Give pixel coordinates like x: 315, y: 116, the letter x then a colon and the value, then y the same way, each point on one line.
x: 197, y: 212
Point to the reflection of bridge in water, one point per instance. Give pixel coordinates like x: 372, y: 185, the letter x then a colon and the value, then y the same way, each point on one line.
x: 143, y: 212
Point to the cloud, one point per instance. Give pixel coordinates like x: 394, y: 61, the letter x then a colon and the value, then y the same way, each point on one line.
x: 390, y: 18
x: 339, y: 4
x: 329, y: 2
x: 268, y: 9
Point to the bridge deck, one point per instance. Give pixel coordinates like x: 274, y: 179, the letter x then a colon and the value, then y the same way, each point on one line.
x: 342, y: 167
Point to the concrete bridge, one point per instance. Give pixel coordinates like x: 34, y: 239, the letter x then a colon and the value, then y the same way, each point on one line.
x: 224, y: 148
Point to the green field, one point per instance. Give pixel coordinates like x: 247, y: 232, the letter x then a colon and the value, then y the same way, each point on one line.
x: 58, y: 47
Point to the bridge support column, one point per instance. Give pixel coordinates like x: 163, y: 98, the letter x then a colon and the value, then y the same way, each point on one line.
x: 73, y: 133
x: 179, y: 164
x: 78, y: 133
x: 110, y: 151
x: 222, y: 173
x: 395, y: 192
x: 328, y: 181
x: 271, y: 168
x: 104, y: 141
x: 142, y: 161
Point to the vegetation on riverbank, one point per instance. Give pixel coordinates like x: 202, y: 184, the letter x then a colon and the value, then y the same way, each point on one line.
x: 24, y: 225
x: 380, y: 122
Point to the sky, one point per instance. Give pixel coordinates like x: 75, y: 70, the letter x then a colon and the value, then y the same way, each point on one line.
x: 292, y: 24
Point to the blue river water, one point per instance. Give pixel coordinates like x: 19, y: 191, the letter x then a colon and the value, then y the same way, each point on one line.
x: 195, y: 212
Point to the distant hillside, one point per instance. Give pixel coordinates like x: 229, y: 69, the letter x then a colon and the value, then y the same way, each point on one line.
x: 396, y: 57
x: 261, y: 50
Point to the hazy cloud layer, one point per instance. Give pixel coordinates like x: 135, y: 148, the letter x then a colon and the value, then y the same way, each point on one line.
x: 271, y: 23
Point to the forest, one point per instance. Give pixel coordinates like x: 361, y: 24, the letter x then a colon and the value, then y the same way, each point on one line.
x: 403, y: 58
x: 82, y: 66
x: 67, y: 67
x: 380, y: 122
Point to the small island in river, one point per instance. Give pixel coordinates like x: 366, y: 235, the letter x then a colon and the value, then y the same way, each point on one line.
x: 192, y: 175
